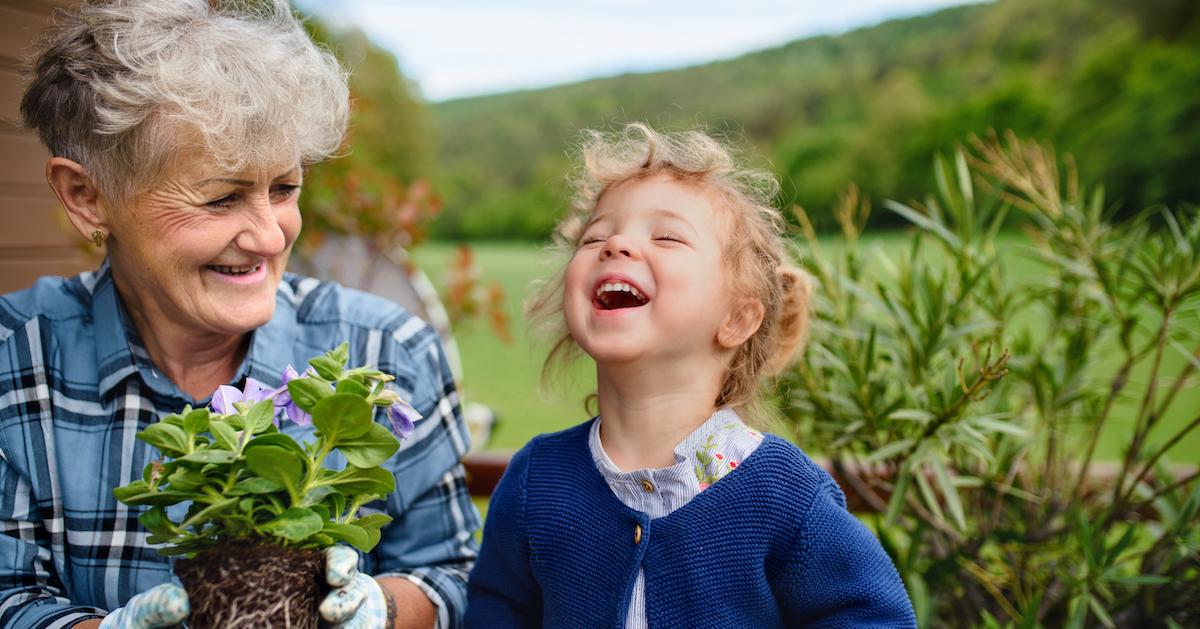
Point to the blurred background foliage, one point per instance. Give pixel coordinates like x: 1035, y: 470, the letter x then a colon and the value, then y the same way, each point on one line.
x: 1110, y: 80
x: 962, y: 393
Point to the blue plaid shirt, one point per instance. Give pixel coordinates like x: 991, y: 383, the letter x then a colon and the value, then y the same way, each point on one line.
x: 76, y: 385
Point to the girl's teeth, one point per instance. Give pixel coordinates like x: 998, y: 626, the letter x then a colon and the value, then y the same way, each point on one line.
x: 609, y: 287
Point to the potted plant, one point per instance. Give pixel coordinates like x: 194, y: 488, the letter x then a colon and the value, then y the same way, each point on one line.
x: 262, y: 504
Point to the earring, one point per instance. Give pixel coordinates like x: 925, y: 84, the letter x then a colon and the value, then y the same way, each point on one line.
x: 98, y: 238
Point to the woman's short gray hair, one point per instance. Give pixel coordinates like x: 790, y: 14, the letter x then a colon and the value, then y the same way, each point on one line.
x: 125, y: 86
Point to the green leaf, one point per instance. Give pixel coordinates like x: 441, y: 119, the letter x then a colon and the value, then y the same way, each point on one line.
x: 261, y: 416
x: 295, y: 524
x: 316, y: 495
x: 896, y: 502
x: 373, y: 521
x: 218, y: 457
x: 276, y: 439
x: 171, y: 440
x: 306, y: 392
x: 342, y: 416
x: 1141, y: 579
x: 912, y: 414
x: 160, y: 538
x: 275, y: 464
x: 184, y: 479
x: 224, y: 434
x: 157, y: 498
x: 156, y: 521
x: 353, y: 388
x: 327, y: 367
x: 370, y: 449
x: 1098, y: 608
x: 354, y: 535
x: 258, y: 485
x: 373, y: 536
x: 196, y: 421
x: 135, y: 488
x: 357, y: 480
x: 889, y: 450
x: 949, y: 492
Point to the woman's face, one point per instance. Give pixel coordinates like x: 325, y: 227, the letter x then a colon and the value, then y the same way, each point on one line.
x: 204, y: 249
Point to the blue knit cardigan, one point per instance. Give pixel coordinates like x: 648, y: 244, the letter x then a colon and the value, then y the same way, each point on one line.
x: 769, y: 545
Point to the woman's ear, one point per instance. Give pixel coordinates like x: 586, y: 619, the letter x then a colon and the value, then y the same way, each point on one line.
x: 78, y: 194
x: 743, y: 321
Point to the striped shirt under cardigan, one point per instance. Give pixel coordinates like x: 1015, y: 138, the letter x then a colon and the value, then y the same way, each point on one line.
x: 769, y: 545
x: 76, y: 384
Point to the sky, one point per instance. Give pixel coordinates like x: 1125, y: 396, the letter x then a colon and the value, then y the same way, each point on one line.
x: 458, y: 48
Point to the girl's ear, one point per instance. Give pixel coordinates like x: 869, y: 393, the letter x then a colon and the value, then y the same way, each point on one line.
x: 743, y: 321
x: 78, y: 194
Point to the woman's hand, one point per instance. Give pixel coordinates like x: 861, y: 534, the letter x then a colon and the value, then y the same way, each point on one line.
x: 357, y: 601
x: 163, y: 605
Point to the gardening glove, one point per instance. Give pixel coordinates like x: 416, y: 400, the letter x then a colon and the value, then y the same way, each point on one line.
x: 357, y: 601
x: 163, y: 605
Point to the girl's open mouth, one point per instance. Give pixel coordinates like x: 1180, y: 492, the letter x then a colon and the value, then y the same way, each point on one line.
x: 615, y: 295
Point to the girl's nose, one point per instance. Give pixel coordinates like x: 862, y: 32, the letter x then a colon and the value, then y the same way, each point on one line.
x: 617, y: 246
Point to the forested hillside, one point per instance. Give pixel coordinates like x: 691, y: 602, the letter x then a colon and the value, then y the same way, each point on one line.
x: 1115, y: 82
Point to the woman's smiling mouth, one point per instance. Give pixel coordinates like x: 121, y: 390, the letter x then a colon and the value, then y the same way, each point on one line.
x: 240, y: 274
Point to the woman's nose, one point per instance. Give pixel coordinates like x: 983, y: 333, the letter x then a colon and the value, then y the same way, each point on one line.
x: 618, y: 246
x: 263, y: 235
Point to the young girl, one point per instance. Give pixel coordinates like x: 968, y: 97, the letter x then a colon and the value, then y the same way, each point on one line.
x: 667, y: 510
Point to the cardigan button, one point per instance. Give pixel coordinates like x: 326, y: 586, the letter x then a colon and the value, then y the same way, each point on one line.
x: 637, y: 534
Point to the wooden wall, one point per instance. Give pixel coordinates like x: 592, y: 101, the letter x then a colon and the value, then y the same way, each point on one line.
x: 35, y: 238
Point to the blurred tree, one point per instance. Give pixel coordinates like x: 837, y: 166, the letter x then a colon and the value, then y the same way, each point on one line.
x: 1111, y: 80
x: 377, y: 191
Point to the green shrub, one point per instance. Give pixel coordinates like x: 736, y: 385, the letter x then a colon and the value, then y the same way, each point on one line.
x: 964, y: 400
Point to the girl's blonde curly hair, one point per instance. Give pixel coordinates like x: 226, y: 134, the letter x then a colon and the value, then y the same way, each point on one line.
x: 755, y: 249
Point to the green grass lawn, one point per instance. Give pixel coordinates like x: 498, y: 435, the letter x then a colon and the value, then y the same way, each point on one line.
x: 506, y: 377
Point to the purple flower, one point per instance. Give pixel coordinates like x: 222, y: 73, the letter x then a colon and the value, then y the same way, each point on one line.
x: 225, y: 396
x: 223, y: 399
x: 402, y: 417
x: 284, y: 403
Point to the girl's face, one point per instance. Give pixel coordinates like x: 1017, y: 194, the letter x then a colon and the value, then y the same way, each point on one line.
x: 646, y: 281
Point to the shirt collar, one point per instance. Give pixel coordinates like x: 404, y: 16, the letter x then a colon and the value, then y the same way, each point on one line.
x: 113, y: 353
x: 723, y: 419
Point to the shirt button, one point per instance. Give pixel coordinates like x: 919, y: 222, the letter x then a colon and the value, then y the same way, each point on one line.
x: 637, y: 534
x: 646, y: 486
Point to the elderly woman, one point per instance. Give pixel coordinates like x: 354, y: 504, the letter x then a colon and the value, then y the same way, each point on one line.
x: 180, y: 131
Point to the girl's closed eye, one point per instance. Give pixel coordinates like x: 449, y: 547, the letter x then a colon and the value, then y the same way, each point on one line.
x: 591, y: 239
x: 670, y: 237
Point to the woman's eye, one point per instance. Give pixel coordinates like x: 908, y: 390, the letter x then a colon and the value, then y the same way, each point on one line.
x: 283, y: 192
x: 224, y: 202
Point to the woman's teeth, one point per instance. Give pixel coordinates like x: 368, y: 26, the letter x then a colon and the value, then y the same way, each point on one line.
x: 234, y: 270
